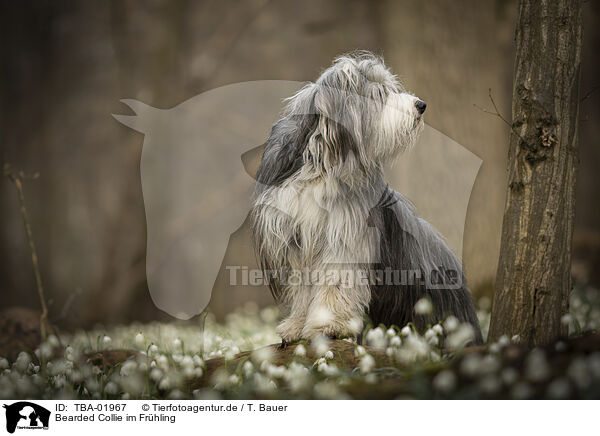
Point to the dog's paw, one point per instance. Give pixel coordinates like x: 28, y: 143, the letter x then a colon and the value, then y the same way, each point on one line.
x: 334, y: 329
x: 290, y: 329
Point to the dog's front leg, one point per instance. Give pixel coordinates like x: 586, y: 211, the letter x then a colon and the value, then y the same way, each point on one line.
x: 336, y: 312
x: 298, y: 300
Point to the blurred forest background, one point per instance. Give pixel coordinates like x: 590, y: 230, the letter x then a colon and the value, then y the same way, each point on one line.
x: 66, y: 64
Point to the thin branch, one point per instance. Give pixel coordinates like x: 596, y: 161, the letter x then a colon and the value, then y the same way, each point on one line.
x: 497, y: 112
x: 17, y: 179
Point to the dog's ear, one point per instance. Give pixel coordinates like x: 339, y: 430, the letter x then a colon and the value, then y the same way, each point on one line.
x: 284, y: 150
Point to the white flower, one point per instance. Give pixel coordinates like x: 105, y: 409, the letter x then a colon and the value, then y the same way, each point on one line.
x: 53, y: 341
x: 128, y: 368
x: 300, y: 350
x: 423, y: 307
x: 451, y: 324
x: 262, y: 355
x: 153, y: 348
x: 406, y: 330
x: 367, y: 363
x: 395, y: 341
x: 459, y: 338
x: 566, y: 319
x: 177, y: 342
x: 139, y: 339
x: 111, y: 388
x: 445, y: 381
x: 536, y: 366
x: 155, y: 374
x: 328, y: 354
x: 247, y: 368
x: 320, y: 345
x: 376, y: 338
x: 4, y: 363
x: 438, y: 329
x: 559, y: 389
x: 106, y: 339
x: 359, y: 351
x: 390, y: 332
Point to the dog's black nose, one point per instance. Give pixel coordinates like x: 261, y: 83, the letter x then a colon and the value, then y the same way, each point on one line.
x: 421, y: 106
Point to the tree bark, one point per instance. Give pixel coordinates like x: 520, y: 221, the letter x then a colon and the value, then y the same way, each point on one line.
x: 534, y: 279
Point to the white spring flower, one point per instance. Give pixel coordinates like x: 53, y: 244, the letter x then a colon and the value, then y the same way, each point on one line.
x: 153, y: 348
x: 187, y: 362
x: 516, y: 338
x: 396, y: 341
x: 229, y: 354
x: 579, y: 373
x: 320, y: 345
x: 376, y: 338
x: 559, y: 389
x: 300, y: 350
x: 431, y: 337
x: 139, y: 339
x: 490, y: 384
x: 423, y: 307
x: 521, y: 391
x: 234, y: 379
x: 264, y: 354
x: 247, y: 368
x: 328, y: 354
x: 22, y: 362
x: 106, y: 339
x: 162, y: 361
x: 156, y: 374
x: 445, y: 381
x: 53, y: 341
x: 438, y: 329
x: 566, y: 319
x: 451, y: 324
x: 327, y: 390
x: 406, y: 330
x: 470, y: 365
x: 275, y: 371
x: 128, y: 368
x: 461, y: 336
x: 177, y: 342
x: 165, y: 383
x: 198, y: 360
x: 509, y: 376
x: 367, y: 364
x: 536, y: 366
x: 359, y: 351
x: 263, y: 384
x: 371, y: 378
x: 177, y: 357
x: 4, y: 363
x: 390, y: 332
x: 111, y: 388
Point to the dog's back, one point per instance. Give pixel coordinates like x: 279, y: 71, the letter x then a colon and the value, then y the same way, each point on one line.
x: 416, y: 263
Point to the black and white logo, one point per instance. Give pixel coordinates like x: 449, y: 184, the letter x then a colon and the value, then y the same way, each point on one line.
x: 26, y: 415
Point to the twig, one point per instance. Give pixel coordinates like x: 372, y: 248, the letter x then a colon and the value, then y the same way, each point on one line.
x: 17, y: 179
x: 497, y: 113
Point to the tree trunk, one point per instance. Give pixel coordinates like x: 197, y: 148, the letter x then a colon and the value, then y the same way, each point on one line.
x: 534, y: 279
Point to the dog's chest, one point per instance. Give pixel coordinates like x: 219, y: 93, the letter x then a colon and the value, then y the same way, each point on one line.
x: 323, y: 224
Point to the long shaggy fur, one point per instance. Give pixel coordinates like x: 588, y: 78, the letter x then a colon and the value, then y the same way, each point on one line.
x: 322, y: 205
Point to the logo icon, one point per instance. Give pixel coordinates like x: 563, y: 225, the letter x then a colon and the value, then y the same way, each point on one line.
x: 26, y: 415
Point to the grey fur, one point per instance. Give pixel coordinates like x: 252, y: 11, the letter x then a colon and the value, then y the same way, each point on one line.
x: 321, y: 201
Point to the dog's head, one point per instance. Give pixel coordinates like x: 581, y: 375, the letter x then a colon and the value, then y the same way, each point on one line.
x: 354, y: 117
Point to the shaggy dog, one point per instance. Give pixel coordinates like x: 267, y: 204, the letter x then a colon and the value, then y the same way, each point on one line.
x: 334, y: 242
